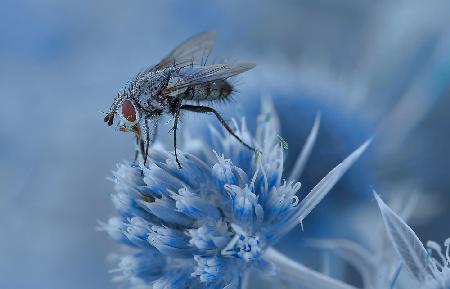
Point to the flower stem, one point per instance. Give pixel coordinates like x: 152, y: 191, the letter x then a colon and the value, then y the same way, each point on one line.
x: 293, y: 271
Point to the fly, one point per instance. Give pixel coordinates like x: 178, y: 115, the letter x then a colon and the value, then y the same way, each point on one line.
x: 165, y: 88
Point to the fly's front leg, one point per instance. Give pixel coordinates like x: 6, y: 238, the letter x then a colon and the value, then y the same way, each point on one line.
x: 206, y: 109
x: 139, y: 141
x: 149, y: 141
x: 136, y: 154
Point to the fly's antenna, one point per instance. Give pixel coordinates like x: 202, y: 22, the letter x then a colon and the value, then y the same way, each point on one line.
x: 106, y: 114
x: 109, y: 118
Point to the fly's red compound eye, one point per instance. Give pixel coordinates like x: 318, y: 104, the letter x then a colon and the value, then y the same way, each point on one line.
x: 128, y: 111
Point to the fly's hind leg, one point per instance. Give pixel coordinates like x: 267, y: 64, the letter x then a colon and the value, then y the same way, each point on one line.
x: 136, y: 154
x: 175, y: 126
x: 206, y: 109
x: 147, y: 140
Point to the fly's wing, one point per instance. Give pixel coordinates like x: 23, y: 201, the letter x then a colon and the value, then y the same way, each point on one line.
x: 199, y: 45
x: 208, y: 74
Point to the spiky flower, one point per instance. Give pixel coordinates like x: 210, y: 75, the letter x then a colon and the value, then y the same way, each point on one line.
x: 429, y: 272
x: 207, y: 225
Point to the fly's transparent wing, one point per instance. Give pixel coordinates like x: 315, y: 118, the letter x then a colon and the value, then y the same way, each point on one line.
x: 210, y: 73
x: 199, y: 45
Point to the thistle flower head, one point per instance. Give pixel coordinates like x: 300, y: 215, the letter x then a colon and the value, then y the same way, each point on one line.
x: 207, y: 225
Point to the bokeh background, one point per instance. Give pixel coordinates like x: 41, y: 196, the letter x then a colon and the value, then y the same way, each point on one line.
x: 372, y: 68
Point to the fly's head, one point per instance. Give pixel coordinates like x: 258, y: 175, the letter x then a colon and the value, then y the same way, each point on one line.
x: 127, y: 111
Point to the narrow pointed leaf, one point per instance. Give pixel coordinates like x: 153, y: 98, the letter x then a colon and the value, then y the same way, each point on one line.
x: 320, y: 191
x: 327, y: 183
x: 306, y: 151
x: 303, y: 276
x: 356, y: 255
x: 406, y: 242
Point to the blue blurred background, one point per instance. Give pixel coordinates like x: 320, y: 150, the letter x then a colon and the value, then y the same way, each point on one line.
x: 370, y: 67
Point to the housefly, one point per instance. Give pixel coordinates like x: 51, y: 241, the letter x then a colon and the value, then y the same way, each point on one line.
x: 165, y: 88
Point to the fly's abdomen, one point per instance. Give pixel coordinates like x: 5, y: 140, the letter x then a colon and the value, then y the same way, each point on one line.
x: 214, y: 90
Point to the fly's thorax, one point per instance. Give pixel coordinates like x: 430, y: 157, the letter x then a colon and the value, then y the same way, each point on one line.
x: 214, y: 90
x: 147, y: 86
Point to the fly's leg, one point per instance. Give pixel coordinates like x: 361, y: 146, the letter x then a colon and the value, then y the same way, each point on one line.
x: 136, y: 154
x: 206, y: 109
x: 139, y: 141
x: 175, y: 126
x: 154, y: 133
x: 147, y: 140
